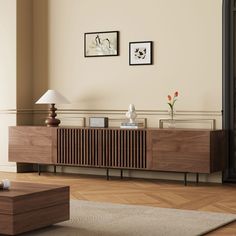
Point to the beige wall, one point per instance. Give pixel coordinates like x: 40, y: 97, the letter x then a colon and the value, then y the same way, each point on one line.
x: 187, y: 53
x: 7, y: 54
x: 7, y: 76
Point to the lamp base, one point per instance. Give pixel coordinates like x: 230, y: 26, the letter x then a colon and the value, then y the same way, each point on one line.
x: 52, y: 122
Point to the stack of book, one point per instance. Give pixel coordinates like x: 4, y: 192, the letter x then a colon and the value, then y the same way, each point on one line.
x: 128, y: 125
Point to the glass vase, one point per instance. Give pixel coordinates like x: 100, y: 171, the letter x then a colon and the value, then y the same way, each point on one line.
x: 172, y: 114
x: 171, y: 120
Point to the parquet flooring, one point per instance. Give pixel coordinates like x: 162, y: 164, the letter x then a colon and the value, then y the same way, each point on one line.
x: 204, y: 197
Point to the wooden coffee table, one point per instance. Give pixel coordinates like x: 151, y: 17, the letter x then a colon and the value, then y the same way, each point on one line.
x: 29, y: 206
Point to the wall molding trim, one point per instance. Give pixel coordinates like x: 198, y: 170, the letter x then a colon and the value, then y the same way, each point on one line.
x: 112, y: 112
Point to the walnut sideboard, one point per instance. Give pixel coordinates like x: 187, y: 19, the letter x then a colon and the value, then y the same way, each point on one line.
x: 176, y: 150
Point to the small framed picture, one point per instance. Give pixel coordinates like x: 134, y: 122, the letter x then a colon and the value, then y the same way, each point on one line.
x: 140, y: 53
x: 100, y: 44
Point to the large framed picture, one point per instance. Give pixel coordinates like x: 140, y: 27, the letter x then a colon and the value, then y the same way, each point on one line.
x: 140, y: 53
x: 100, y: 44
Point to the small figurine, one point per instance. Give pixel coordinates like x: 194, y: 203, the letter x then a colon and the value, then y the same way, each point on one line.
x: 131, y: 114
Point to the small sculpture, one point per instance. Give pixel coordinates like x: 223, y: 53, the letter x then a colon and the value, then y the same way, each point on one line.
x: 131, y: 114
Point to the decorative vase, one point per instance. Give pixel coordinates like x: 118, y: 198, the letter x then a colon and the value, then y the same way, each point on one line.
x: 171, y: 124
x: 171, y: 121
x: 172, y: 114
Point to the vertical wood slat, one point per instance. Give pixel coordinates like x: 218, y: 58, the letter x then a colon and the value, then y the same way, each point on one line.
x: 107, y: 148
x: 134, y: 149
x: 126, y: 152
x: 90, y: 160
x: 93, y: 147
x: 59, y: 155
x: 121, y: 148
x: 75, y: 145
x: 124, y: 134
x: 58, y: 151
x: 80, y: 145
x: 115, y: 148
x: 145, y: 146
x: 131, y: 149
x: 141, y: 149
x: 110, y: 157
x: 86, y: 147
x: 118, y: 148
x: 102, y: 148
x: 69, y: 146
x: 65, y: 147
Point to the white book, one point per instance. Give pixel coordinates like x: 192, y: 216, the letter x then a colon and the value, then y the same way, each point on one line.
x: 129, y: 127
x: 132, y: 124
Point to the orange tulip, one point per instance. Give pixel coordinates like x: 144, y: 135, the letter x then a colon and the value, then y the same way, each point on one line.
x: 169, y: 97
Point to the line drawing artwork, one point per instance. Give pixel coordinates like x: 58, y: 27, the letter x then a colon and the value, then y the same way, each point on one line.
x: 101, y: 44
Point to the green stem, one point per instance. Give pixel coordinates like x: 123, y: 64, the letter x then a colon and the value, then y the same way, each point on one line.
x: 172, y: 113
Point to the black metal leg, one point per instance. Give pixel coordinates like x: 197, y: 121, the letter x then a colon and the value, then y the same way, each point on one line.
x: 107, y: 174
x: 185, y: 178
x: 55, y: 169
x: 197, y: 178
x: 121, y: 174
x: 39, y: 170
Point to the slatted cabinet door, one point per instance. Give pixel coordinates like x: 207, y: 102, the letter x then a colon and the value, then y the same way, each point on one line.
x: 114, y: 148
x: 123, y: 148
x: 78, y: 147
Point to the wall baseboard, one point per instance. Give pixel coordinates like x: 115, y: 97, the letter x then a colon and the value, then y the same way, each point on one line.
x: 8, y: 168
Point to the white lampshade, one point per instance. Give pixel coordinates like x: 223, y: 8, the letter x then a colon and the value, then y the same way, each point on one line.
x: 52, y: 97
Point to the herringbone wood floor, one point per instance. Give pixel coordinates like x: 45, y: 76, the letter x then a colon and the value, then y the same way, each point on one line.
x: 204, y: 197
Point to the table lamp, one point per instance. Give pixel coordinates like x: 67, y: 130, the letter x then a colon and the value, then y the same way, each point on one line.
x: 52, y: 97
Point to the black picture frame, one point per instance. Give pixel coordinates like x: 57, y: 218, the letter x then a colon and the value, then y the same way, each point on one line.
x: 140, y: 53
x: 101, y: 44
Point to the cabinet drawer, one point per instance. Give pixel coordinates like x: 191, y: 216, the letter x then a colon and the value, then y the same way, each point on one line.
x: 32, y: 144
x: 180, y: 151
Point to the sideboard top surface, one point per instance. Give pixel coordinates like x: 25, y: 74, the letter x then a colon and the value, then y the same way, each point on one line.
x: 117, y: 128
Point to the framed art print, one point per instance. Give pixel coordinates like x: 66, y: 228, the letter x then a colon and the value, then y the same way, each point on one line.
x: 100, y: 44
x: 140, y: 53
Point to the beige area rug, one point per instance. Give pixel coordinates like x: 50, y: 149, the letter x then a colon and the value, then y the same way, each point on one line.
x: 106, y: 219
